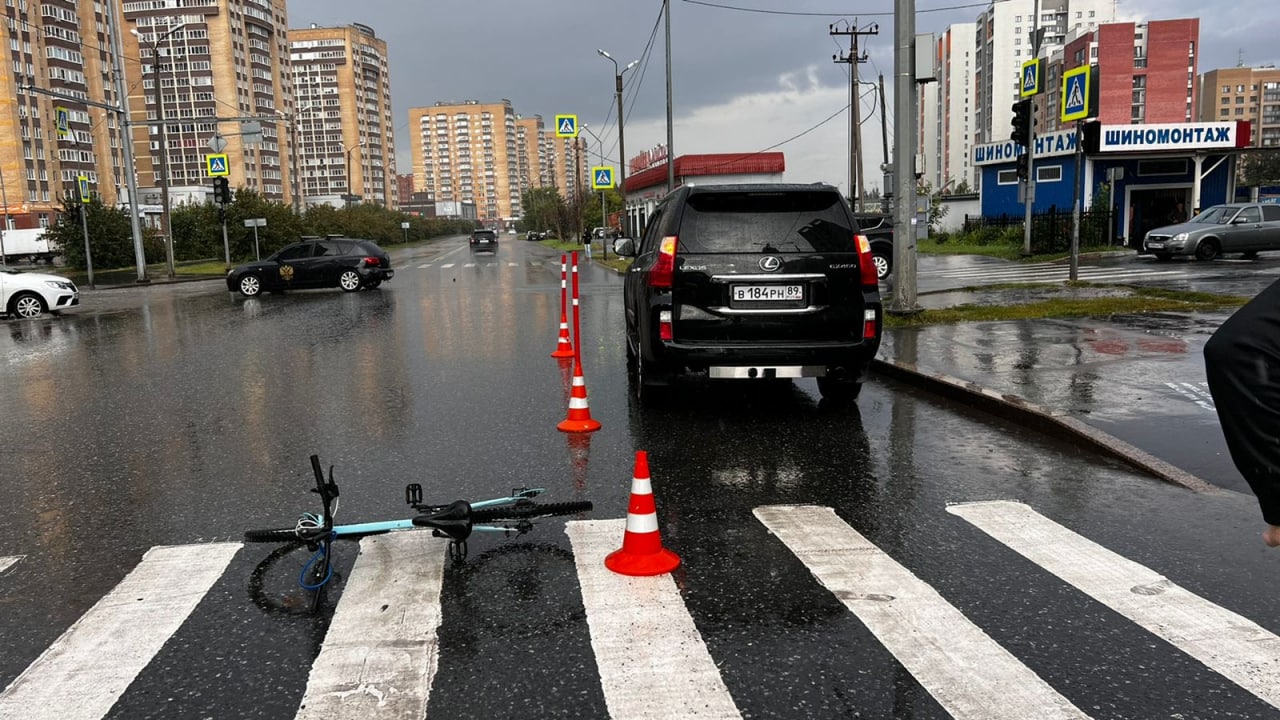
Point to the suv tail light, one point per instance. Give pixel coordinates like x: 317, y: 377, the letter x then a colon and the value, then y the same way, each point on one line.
x: 372, y: 261
x: 664, y: 270
x: 866, y: 263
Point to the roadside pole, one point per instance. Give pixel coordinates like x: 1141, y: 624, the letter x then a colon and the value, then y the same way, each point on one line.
x: 226, y: 245
x: 88, y: 256
x: 1029, y: 187
x: 1076, y: 199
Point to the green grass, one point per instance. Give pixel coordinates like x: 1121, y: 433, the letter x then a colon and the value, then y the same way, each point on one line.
x: 1139, y: 300
x: 1007, y: 252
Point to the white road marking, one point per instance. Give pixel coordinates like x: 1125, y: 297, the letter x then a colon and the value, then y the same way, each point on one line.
x: 8, y: 562
x: 651, y: 659
x: 1197, y: 393
x: 1224, y: 641
x: 424, y: 266
x: 1046, y: 272
x: 967, y: 672
x: 469, y: 265
x: 446, y: 266
x: 84, y: 672
x: 511, y: 264
x: 381, y: 651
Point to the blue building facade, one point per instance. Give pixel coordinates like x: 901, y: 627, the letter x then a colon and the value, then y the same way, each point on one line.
x: 1156, y: 174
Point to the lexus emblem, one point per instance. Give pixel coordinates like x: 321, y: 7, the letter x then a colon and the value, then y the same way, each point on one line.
x: 769, y: 263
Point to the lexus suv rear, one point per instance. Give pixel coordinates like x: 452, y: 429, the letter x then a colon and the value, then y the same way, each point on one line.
x: 753, y: 282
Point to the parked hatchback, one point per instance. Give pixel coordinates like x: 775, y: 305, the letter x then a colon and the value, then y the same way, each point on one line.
x: 752, y: 282
x: 347, y: 263
x: 1234, y: 228
x: 28, y: 295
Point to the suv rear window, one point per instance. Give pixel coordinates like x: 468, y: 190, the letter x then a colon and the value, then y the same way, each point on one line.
x: 480, y: 233
x: 766, y: 222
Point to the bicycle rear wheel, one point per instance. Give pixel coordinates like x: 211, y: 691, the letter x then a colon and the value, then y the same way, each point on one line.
x: 529, y: 511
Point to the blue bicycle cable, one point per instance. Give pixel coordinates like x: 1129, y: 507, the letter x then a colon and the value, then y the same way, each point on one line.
x: 320, y: 553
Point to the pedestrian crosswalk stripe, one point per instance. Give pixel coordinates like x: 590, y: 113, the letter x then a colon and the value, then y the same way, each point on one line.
x: 932, y: 639
x: 469, y: 265
x: 1052, y: 272
x: 424, y: 266
x: 446, y: 267
x: 381, y: 651
x: 1226, y: 642
x: 651, y: 659
x: 8, y: 562
x: 82, y: 674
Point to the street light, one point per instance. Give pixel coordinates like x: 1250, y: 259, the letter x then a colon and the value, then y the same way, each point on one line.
x: 603, y: 217
x: 622, y: 153
x: 164, y: 150
x: 349, y: 187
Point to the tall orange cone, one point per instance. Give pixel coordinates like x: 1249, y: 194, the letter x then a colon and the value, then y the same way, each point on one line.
x: 564, y: 348
x: 642, y: 552
x: 579, y: 419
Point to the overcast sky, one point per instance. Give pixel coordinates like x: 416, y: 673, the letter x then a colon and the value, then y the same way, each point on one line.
x: 743, y: 81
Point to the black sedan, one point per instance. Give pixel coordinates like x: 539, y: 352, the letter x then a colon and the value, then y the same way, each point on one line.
x: 348, y: 263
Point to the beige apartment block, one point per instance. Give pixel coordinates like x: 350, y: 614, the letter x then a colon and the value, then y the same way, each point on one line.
x: 1243, y: 93
x: 468, y: 152
x: 58, y: 46
x: 534, y: 163
x: 344, y: 129
x: 220, y: 62
x: 570, y: 164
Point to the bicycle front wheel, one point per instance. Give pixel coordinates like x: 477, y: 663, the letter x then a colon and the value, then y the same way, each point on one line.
x: 529, y: 511
x: 279, y: 535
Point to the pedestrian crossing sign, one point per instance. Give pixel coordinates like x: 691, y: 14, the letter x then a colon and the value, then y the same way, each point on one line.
x: 82, y: 183
x: 1079, y: 93
x: 1032, y: 77
x: 601, y: 177
x: 63, y: 117
x: 567, y: 126
x: 217, y: 165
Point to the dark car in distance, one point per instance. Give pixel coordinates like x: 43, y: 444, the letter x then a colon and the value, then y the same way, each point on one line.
x: 752, y: 282
x: 349, y: 263
x: 878, y: 227
x: 483, y: 239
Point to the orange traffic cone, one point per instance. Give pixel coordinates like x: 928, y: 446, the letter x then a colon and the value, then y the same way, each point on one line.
x: 642, y: 552
x: 579, y: 419
x: 564, y: 349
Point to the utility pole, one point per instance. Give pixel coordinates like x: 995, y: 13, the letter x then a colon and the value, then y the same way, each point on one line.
x: 855, y: 102
x: 904, y: 145
x: 1029, y: 190
x: 671, y: 153
x: 884, y: 140
x: 126, y: 141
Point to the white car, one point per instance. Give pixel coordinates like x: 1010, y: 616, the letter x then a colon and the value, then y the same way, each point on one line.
x: 28, y: 295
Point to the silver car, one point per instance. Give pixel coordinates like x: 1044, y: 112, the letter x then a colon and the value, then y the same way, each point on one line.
x: 1238, y: 228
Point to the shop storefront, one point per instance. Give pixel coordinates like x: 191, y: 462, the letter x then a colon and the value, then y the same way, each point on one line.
x: 1054, y: 163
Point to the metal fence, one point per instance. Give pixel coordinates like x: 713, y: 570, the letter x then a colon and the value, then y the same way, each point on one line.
x: 1051, y: 230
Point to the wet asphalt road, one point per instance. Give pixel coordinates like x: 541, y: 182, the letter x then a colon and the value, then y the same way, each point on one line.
x: 183, y: 414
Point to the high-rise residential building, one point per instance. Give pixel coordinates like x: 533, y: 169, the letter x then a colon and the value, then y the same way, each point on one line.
x: 1003, y: 42
x: 1243, y: 93
x: 569, y: 165
x: 61, y: 46
x: 467, y: 152
x: 1146, y: 72
x: 206, y: 67
x: 532, y: 145
x: 949, y: 141
x: 344, y: 128
x: 404, y: 187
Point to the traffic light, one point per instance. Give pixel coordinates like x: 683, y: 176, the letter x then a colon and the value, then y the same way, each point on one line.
x: 1024, y: 171
x: 1022, y: 122
x: 222, y: 190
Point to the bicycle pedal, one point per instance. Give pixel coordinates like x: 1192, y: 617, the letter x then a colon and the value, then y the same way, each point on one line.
x: 413, y: 494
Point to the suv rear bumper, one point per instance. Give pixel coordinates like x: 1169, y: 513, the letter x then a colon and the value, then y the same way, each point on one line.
x: 768, y: 360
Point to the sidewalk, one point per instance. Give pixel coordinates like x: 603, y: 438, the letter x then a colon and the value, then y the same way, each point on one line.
x: 1131, y: 387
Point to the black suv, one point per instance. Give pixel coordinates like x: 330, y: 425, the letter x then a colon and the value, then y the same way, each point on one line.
x: 348, y: 263
x: 753, y: 281
x: 484, y: 239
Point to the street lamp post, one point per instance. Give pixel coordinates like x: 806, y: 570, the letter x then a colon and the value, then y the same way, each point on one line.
x: 603, y: 217
x: 622, y: 152
x: 349, y: 186
x: 164, y: 150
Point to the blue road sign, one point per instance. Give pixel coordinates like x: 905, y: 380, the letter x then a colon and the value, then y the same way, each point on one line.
x: 601, y: 177
x: 217, y: 165
x: 567, y: 126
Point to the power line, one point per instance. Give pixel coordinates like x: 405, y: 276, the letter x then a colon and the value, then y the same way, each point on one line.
x: 797, y: 136
x: 831, y: 14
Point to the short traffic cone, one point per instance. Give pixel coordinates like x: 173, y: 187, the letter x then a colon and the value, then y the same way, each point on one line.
x: 565, y: 348
x: 642, y: 552
x: 579, y: 419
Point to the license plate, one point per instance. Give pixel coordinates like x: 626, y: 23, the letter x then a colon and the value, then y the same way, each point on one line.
x: 766, y: 293
x: 1155, y: 245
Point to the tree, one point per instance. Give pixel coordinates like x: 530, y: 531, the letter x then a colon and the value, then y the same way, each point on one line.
x: 1260, y: 167
x: 110, y: 234
x: 591, y: 213
x: 543, y: 208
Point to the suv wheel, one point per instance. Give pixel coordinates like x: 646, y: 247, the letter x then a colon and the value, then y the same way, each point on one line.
x: 838, y: 389
x: 250, y: 285
x: 883, y: 263
x: 349, y: 280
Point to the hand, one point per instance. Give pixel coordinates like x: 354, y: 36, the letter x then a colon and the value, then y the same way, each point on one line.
x: 1271, y: 536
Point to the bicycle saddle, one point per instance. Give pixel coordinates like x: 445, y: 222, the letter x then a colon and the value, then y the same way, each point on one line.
x: 454, y: 521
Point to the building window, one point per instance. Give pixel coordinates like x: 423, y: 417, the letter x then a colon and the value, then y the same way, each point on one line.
x: 1226, y: 88
x: 1048, y: 173
x: 1139, y: 81
x: 1226, y: 101
x: 1239, y: 88
x: 1007, y: 177
x: 1092, y: 13
x: 1226, y: 112
x: 1240, y: 101
x: 1240, y: 111
x: 1191, y: 49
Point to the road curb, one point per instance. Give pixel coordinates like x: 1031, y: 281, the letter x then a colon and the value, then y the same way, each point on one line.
x: 1024, y: 412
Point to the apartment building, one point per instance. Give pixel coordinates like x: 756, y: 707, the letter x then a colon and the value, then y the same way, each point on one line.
x: 533, y: 148
x: 1003, y: 42
x: 204, y: 66
x: 467, y: 152
x: 570, y: 164
x: 343, y: 123
x: 947, y: 110
x: 1243, y: 93
x: 1146, y: 72
x: 60, y: 46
